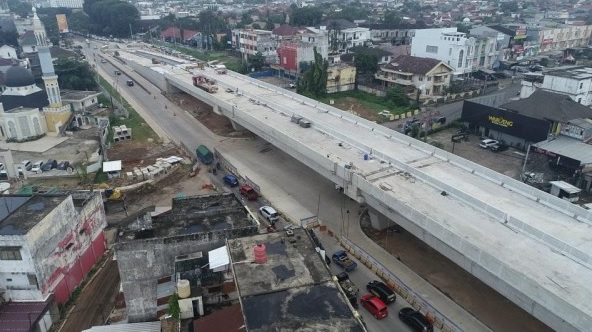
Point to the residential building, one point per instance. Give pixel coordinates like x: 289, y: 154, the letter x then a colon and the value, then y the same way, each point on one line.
x: 574, y: 82
x: 156, y: 250
x: 512, y: 42
x: 296, y: 53
x: 341, y: 77
x: 253, y: 41
x: 425, y: 76
x: 343, y: 34
x: 382, y: 56
x: 567, y: 37
x: 396, y: 34
x: 454, y: 48
x: 49, y: 243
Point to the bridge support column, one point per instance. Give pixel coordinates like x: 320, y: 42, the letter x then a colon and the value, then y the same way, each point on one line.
x: 378, y: 220
x: 171, y: 88
x: 236, y: 126
x: 217, y: 110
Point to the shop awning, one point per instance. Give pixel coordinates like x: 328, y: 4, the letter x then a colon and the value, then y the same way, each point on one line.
x: 568, y: 147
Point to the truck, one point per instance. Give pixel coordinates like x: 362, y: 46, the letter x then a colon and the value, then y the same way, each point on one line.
x: 204, y: 155
x: 342, y: 260
x: 205, y: 83
x: 349, y: 288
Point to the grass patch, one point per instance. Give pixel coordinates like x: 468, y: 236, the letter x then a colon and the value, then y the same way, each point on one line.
x: 141, y: 131
x: 368, y: 100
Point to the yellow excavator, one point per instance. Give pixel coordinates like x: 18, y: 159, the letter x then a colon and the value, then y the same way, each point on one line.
x: 110, y: 194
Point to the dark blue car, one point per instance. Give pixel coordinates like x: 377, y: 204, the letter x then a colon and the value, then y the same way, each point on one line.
x: 230, y: 180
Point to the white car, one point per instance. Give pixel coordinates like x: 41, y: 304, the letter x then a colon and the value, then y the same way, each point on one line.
x: 488, y: 143
x: 269, y: 213
x: 37, y: 167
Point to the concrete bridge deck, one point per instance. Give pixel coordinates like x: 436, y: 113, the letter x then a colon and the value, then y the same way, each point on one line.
x: 530, y: 246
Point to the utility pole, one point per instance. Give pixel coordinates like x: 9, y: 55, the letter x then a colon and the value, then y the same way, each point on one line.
x: 131, y: 34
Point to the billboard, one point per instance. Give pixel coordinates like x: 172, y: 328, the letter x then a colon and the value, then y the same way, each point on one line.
x: 62, y: 23
x: 511, y: 123
x: 520, y: 33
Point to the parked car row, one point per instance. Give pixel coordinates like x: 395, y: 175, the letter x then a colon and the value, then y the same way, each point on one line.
x: 378, y: 298
x: 41, y: 166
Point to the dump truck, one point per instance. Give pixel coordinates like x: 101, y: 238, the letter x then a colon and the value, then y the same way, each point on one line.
x: 342, y: 260
x: 204, y: 155
x: 349, y: 288
x: 205, y: 83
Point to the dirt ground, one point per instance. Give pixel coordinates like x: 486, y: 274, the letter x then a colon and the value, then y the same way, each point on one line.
x: 354, y: 107
x: 140, y: 154
x: 94, y: 304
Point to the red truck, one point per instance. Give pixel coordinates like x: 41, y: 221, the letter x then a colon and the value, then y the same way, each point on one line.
x: 249, y: 192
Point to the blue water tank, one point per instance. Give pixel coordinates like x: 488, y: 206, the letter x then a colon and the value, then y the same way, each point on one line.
x: 366, y: 157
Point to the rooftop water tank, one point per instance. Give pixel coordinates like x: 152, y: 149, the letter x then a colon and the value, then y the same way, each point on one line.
x: 183, y: 288
x: 260, y: 254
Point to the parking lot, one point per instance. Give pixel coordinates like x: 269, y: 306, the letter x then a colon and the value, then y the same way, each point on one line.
x: 76, y: 150
x: 508, y: 162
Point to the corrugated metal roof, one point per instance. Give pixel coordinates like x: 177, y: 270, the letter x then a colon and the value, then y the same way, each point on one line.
x: 568, y: 147
x: 19, y: 316
x: 218, y: 257
x: 133, y: 327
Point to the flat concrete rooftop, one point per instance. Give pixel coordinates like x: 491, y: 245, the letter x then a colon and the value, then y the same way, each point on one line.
x: 21, y: 213
x: 189, y: 215
x: 293, y: 290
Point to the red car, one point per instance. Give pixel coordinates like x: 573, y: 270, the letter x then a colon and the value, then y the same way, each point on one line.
x: 373, y: 304
x: 249, y: 193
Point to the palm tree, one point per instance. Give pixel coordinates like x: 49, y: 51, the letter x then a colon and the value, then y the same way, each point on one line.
x: 334, y: 30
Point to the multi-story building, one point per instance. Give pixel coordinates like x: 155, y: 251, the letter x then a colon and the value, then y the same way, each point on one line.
x: 426, y: 76
x: 575, y: 82
x: 253, y: 41
x: 454, y: 48
x: 295, y: 54
x: 562, y: 38
x: 49, y: 243
x: 343, y: 34
x: 511, y: 42
x: 341, y: 77
x: 396, y: 34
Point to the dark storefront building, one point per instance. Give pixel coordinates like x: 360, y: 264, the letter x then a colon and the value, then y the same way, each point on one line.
x: 525, y: 121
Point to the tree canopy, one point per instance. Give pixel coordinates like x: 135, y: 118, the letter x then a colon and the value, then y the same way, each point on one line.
x: 365, y: 62
x: 314, y: 80
x: 111, y: 17
x: 306, y: 16
x: 75, y: 74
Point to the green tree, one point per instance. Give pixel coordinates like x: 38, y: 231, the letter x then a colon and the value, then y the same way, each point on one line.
x: 307, y: 16
x: 111, y: 17
x: 397, y: 96
x: 509, y: 7
x: 75, y: 74
x: 256, y: 62
x: 9, y: 38
x: 365, y: 62
x: 392, y: 17
x: 334, y: 31
x: 256, y: 26
x: 314, y: 79
x: 269, y: 25
x: 174, y: 310
x: 22, y: 9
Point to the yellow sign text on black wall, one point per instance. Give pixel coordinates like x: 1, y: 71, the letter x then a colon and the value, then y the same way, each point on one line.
x: 500, y: 121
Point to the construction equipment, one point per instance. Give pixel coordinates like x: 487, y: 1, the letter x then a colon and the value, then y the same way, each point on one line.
x: 205, y: 83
